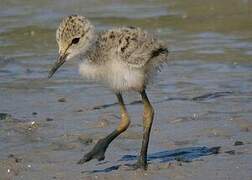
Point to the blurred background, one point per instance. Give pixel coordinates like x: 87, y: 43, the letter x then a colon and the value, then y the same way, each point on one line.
x: 203, y: 96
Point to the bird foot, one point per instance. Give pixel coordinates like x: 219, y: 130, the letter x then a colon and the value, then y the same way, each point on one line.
x: 96, y: 153
x: 140, y: 164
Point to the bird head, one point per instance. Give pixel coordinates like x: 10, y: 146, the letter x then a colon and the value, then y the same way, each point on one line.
x: 73, y: 36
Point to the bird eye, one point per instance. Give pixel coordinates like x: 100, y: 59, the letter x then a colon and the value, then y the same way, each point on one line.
x: 75, y: 40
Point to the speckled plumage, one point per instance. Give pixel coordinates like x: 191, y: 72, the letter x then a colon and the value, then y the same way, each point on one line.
x: 122, y: 57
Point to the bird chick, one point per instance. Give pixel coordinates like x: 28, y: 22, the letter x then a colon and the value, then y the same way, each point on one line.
x: 123, y: 58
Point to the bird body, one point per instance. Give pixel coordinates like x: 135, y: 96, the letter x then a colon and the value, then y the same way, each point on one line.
x: 123, y: 58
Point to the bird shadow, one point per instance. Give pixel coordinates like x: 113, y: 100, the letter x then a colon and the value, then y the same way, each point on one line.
x: 186, y: 155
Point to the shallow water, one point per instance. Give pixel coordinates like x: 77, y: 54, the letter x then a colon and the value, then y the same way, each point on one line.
x: 202, y: 97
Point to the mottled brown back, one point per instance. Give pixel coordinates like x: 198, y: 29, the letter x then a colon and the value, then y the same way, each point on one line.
x: 130, y: 45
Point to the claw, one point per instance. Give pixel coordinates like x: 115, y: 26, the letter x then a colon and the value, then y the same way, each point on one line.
x: 96, y: 153
x: 100, y: 158
x: 99, y: 149
x: 84, y: 159
x: 140, y: 164
x: 88, y: 157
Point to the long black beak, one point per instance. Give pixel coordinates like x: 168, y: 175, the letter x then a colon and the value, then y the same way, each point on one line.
x: 60, y: 61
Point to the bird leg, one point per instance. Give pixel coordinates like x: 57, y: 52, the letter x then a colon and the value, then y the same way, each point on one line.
x: 147, y: 123
x: 99, y: 149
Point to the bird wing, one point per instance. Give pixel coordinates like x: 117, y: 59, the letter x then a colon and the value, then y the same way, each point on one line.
x: 136, y: 47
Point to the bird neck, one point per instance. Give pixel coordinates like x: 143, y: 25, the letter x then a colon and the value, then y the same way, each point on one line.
x: 89, y: 42
x: 90, y: 52
x: 93, y: 39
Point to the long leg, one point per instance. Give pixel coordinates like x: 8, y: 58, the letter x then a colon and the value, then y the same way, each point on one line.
x: 99, y: 149
x: 147, y: 123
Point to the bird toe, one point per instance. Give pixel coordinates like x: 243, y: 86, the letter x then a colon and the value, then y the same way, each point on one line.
x: 84, y: 159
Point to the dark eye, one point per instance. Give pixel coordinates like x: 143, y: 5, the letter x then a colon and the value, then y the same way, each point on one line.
x: 75, y: 40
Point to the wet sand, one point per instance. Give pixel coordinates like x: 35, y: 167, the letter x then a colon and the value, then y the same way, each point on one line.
x: 43, y: 137
x: 202, y: 98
